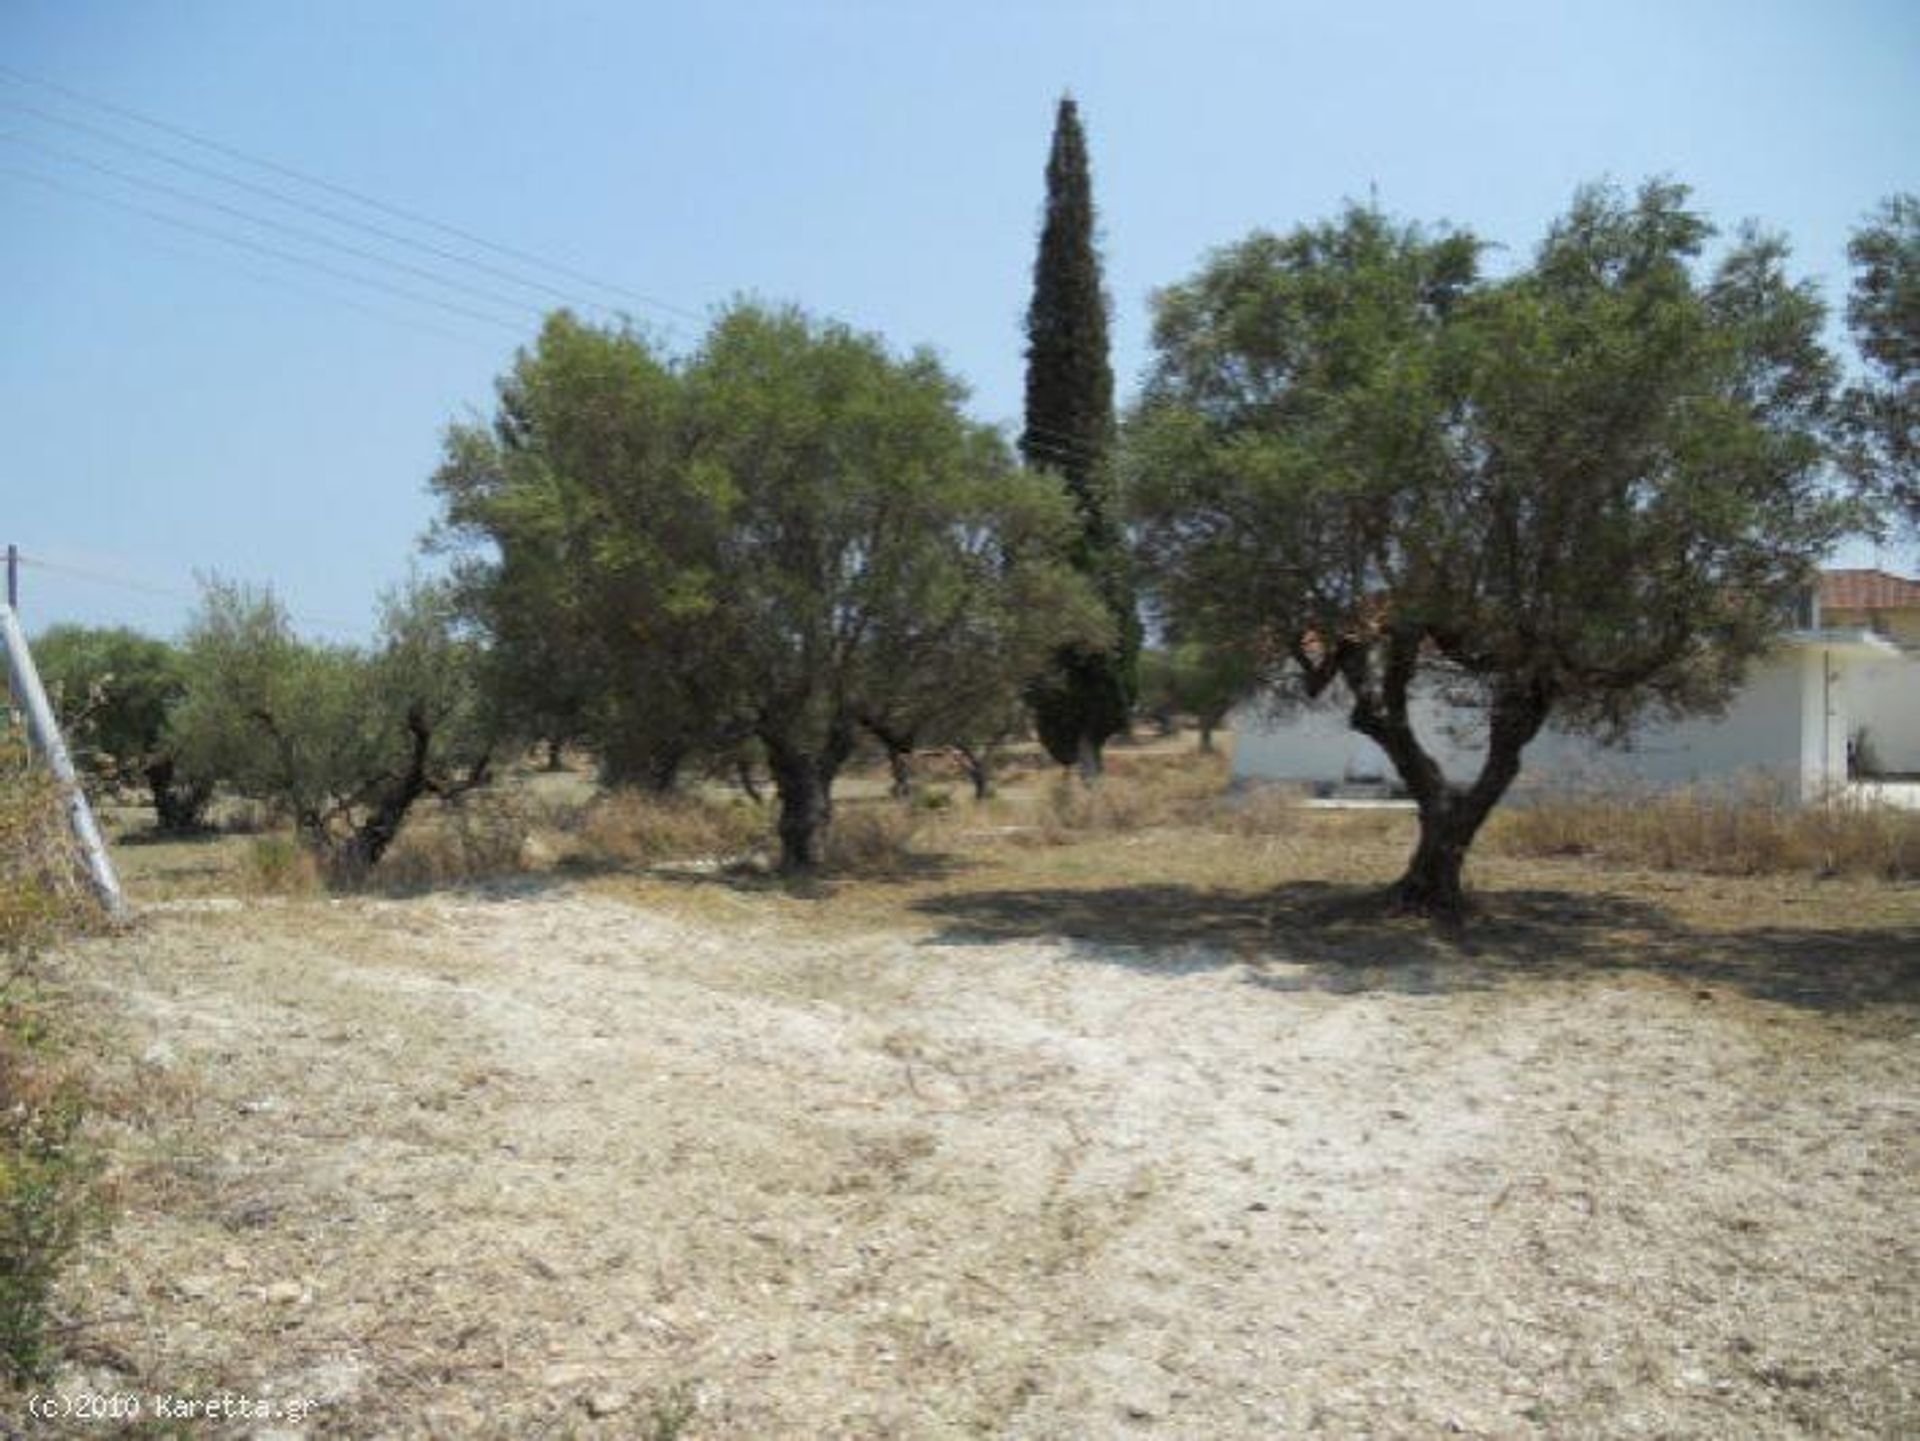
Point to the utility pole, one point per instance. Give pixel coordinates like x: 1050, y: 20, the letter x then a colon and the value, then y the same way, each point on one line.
x: 43, y: 733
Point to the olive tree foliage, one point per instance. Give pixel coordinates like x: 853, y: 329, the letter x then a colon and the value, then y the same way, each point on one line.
x: 114, y: 689
x: 1882, y: 412
x: 1202, y: 681
x: 1588, y: 492
x: 558, y: 514
x: 787, y: 538
x: 343, y: 739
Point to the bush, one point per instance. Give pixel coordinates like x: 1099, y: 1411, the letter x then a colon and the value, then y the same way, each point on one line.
x: 45, y: 1190
x: 632, y: 827
x: 1755, y: 829
x: 42, y: 890
x: 44, y: 1183
x: 872, y: 840
x: 278, y: 865
x: 1160, y: 792
x: 482, y: 836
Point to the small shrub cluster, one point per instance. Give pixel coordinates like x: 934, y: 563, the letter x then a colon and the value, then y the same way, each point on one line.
x: 42, y: 886
x: 45, y: 1186
x: 635, y: 828
x: 278, y: 865
x: 44, y: 1180
x: 1260, y: 810
x: 1168, y: 792
x: 484, y: 836
x: 873, y: 840
x: 1750, y: 830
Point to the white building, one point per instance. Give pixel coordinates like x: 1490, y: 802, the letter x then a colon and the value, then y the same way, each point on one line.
x: 1842, y: 684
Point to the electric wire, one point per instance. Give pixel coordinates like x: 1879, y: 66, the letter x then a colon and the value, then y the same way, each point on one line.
x: 1050, y: 445
x: 267, y: 192
x: 295, y: 231
x: 169, y: 592
x: 413, y: 217
x: 274, y: 252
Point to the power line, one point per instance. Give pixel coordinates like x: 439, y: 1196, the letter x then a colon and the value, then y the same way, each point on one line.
x: 297, y: 232
x: 234, y: 267
x: 168, y: 592
x: 272, y: 252
x: 280, y: 197
x: 345, y: 192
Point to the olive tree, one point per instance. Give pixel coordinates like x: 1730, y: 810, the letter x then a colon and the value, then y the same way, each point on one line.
x: 1882, y: 412
x: 114, y: 689
x: 344, y: 739
x: 1588, y: 492
x: 787, y: 538
x: 1203, y: 681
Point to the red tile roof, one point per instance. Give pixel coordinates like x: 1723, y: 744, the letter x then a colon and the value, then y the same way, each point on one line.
x: 1867, y: 590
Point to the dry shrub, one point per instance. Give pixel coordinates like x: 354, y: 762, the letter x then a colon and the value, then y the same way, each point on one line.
x: 483, y: 836
x: 873, y: 840
x: 1753, y: 829
x: 1136, y: 794
x: 42, y: 878
x: 278, y: 865
x: 1261, y: 810
x: 45, y: 1182
x: 629, y: 827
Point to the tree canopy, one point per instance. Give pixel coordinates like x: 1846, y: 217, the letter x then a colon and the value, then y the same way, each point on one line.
x: 1590, y: 491
x: 788, y: 537
x: 1883, y: 311
x: 114, y: 689
x: 344, y: 740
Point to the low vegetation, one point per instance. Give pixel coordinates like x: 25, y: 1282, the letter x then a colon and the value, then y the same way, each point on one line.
x: 1741, y: 831
x: 45, y: 1196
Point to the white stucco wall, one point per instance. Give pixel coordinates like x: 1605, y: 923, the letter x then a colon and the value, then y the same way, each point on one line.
x: 1788, y: 721
x: 1884, y: 696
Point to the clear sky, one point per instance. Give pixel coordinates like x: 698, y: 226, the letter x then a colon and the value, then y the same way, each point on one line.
x: 172, y: 405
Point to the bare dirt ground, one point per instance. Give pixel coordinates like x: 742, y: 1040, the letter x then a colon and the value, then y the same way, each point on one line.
x: 1020, y: 1154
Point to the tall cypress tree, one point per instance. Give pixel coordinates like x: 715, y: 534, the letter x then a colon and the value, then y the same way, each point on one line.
x: 1086, y: 695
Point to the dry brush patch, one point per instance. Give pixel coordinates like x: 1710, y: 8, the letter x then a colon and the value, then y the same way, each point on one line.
x: 47, y: 1196
x: 1752, y: 829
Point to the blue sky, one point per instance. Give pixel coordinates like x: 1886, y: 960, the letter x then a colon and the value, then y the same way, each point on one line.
x: 171, y: 405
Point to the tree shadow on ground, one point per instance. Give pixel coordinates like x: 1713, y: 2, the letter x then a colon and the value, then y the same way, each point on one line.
x: 1320, y: 936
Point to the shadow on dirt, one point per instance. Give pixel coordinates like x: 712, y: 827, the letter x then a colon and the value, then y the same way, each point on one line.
x: 1326, y: 937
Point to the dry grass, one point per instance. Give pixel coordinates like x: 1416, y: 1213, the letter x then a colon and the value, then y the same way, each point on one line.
x: 1022, y: 1144
x: 1751, y: 831
x: 45, y: 1180
x: 42, y: 885
x: 1137, y: 793
x: 278, y: 865
x: 485, y: 836
x: 875, y: 840
x: 631, y: 828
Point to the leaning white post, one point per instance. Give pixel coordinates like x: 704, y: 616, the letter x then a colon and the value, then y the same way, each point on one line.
x: 44, y: 734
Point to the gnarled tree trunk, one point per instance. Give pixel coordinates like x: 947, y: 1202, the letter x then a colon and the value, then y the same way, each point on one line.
x: 804, y: 778
x: 1450, y: 814
x: 978, y: 764
x: 178, y: 806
